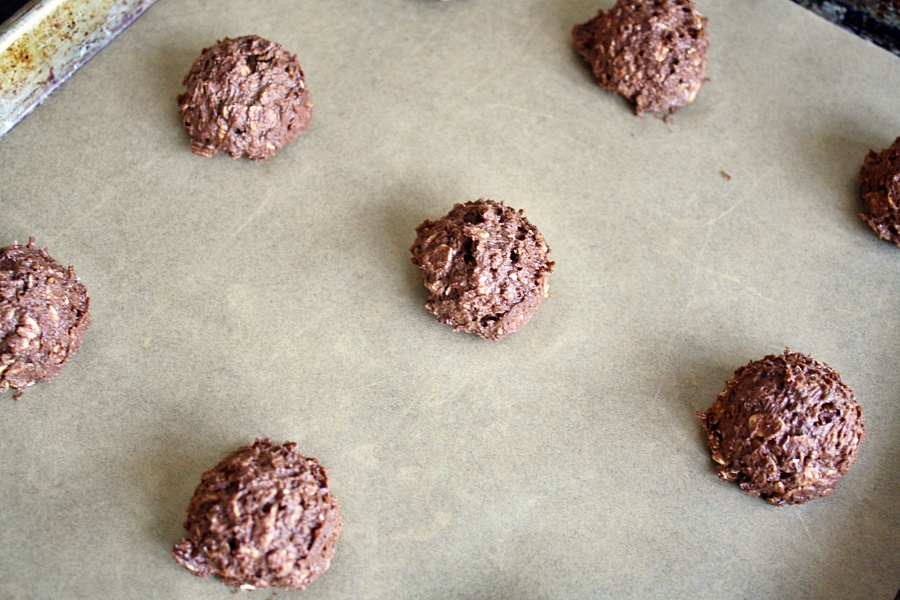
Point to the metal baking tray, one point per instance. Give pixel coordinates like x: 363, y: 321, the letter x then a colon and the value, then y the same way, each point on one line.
x: 46, y: 41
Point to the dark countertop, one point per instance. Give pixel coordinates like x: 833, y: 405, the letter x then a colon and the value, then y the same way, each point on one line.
x: 875, y: 20
x: 9, y: 7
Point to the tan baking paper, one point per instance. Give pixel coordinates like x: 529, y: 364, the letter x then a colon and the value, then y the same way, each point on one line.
x: 234, y: 299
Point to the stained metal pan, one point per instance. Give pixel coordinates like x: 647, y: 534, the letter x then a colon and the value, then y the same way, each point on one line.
x: 46, y: 41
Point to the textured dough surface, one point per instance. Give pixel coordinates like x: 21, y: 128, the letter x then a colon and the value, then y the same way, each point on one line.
x: 786, y: 428
x: 44, y: 312
x: 880, y: 178
x: 263, y: 517
x: 485, y: 266
x: 652, y: 52
x: 245, y: 97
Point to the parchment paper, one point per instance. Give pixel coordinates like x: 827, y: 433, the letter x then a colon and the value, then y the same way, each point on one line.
x: 233, y: 300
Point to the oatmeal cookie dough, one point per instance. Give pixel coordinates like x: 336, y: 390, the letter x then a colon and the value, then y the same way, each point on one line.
x: 786, y: 429
x: 486, y: 267
x: 652, y: 52
x: 44, y: 312
x: 245, y: 97
x: 880, y: 178
x: 263, y: 517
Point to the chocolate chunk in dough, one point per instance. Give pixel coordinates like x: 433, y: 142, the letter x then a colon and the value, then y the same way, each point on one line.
x: 786, y: 429
x: 486, y: 267
x: 44, y: 312
x: 653, y: 52
x: 263, y: 517
x: 245, y: 97
x: 880, y: 177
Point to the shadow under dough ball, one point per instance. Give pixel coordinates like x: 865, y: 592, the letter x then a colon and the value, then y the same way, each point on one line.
x: 880, y: 178
x: 245, y: 97
x: 263, y: 517
x: 44, y: 312
x: 486, y: 267
x: 786, y: 429
x: 652, y: 52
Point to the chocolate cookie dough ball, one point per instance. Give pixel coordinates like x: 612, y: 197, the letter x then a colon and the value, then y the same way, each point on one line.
x: 486, y: 267
x: 786, y: 429
x: 245, y: 97
x: 43, y: 316
x: 263, y: 517
x: 880, y: 177
x: 653, y: 52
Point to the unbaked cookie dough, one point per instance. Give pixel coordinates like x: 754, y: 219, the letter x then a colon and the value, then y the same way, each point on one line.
x: 652, y: 52
x: 263, y: 517
x: 786, y: 429
x: 44, y: 312
x: 880, y: 178
x: 245, y: 97
x: 486, y: 267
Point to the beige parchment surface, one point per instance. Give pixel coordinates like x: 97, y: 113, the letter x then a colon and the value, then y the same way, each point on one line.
x: 234, y: 300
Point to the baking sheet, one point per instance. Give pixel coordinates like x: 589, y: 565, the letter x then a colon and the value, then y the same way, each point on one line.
x: 233, y: 300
